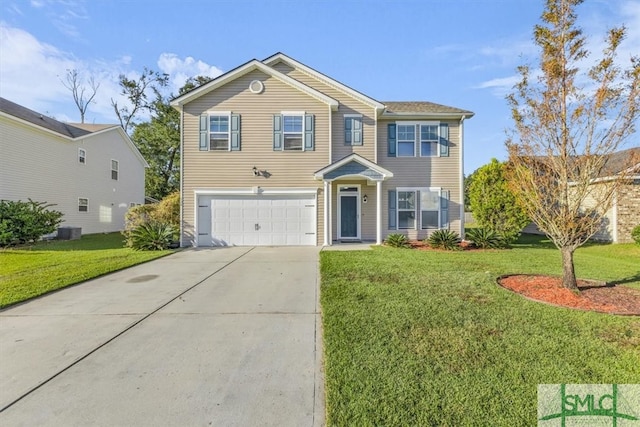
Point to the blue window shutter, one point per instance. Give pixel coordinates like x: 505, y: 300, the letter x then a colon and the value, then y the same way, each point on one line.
x: 392, y: 210
x: 308, y: 132
x: 391, y: 139
x: 235, y: 132
x: 348, y: 125
x: 357, y: 131
x: 444, y: 140
x: 277, y: 132
x: 444, y: 209
x: 204, y: 132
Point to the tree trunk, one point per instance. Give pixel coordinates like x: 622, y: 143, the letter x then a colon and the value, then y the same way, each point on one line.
x: 568, y: 272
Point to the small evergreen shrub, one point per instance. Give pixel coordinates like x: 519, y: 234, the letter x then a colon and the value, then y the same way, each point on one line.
x: 152, y: 236
x: 397, y: 240
x: 485, y: 238
x: 167, y: 211
x: 26, y: 222
x: 444, y: 239
x: 635, y: 234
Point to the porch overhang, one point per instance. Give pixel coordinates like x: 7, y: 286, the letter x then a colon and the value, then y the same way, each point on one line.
x: 353, y: 166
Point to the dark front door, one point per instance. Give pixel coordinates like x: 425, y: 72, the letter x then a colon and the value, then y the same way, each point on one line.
x: 349, y: 216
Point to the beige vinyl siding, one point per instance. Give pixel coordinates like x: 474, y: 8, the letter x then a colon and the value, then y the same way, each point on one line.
x: 348, y: 105
x: 441, y: 172
x: 233, y: 169
x: 44, y: 167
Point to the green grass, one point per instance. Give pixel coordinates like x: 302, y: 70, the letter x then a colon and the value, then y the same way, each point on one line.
x: 428, y: 338
x: 46, y: 266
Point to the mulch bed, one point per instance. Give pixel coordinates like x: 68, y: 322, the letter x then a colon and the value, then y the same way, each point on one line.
x: 593, y: 296
x: 422, y: 246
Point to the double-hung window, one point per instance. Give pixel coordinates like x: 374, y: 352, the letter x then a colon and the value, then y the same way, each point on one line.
x: 219, y: 132
x: 292, y: 132
x: 406, y: 209
x: 429, y: 208
x: 82, y: 156
x: 429, y: 140
x: 114, y: 169
x: 83, y: 204
x: 424, y: 139
x: 406, y: 140
x: 353, y: 129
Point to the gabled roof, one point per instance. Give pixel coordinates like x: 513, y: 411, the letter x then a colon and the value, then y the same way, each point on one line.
x: 422, y: 108
x: 281, y: 57
x: 240, y: 71
x: 619, y: 162
x: 352, y: 165
x: 23, y: 113
x: 71, y: 131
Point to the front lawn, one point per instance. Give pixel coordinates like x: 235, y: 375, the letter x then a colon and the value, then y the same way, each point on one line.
x: 428, y: 338
x: 46, y: 266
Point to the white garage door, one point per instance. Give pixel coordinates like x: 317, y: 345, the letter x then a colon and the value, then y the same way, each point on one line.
x: 257, y: 220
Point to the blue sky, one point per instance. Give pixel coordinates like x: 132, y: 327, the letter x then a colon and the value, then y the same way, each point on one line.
x: 460, y: 53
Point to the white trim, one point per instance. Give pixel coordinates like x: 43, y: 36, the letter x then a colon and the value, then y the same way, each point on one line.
x: 379, y: 212
x: 418, y: 208
x: 341, y: 194
x: 330, y: 136
x: 614, y: 214
x: 327, y: 203
x: 461, y: 164
x: 245, y: 69
x: 243, y: 191
x: 215, y: 113
x: 375, y: 138
x: 117, y: 169
x: 257, y: 90
x: 182, y: 177
x: 325, y: 79
x: 301, y: 114
x: 417, y: 142
x: 357, y: 158
x: 424, y: 116
x: 84, y: 156
x: 83, y: 198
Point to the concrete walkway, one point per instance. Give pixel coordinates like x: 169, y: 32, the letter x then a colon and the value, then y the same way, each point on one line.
x: 209, y: 337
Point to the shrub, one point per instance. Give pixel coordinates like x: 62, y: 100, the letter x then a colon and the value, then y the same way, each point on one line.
x: 493, y: 203
x: 485, y: 238
x: 167, y: 211
x: 152, y: 236
x: 397, y: 240
x: 635, y: 234
x: 444, y: 239
x: 26, y: 222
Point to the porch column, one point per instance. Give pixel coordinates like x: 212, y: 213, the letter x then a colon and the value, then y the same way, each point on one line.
x: 327, y: 209
x: 378, y: 212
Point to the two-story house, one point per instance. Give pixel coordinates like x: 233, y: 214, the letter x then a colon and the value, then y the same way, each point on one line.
x: 277, y: 153
x: 92, y: 173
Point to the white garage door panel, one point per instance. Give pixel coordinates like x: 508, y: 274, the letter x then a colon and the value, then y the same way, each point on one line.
x: 263, y: 220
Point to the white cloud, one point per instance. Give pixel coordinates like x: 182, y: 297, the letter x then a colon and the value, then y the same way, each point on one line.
x: 179, y: 70
x: 500, y: 87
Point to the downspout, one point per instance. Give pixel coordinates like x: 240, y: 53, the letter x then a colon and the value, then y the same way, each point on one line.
x: 462, y: 231
x: 181, y: 175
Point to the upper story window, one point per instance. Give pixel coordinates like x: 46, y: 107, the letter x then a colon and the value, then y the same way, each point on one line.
x: 406, y: 140
x: 353, y: 129
x: 114, y: 169
x: 219, y: 131
x: 424, y: 139
x: 293, y: 131
x: 82, y: 156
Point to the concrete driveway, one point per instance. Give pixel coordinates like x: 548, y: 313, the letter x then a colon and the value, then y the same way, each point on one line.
x: 204, y: 337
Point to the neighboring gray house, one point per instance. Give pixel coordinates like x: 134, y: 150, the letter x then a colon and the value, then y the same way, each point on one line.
x: 92, y: 173
x: 277, y: 153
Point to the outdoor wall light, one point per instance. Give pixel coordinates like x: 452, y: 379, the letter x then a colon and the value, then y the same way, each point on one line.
x: 256, y: 172
x: 364, y: 199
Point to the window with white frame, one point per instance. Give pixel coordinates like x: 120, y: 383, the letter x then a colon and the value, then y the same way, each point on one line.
x: 406, y: 140
x: 407, y: 209
x: 429, y: 140
x: 293, y: 132
x: 429, y: 208
x: 82, y: 156
x: 114, y: 169
x: 219, y: 132
x: 83, y: 204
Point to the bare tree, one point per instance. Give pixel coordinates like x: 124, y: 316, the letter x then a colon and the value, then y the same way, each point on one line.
x: 569, y: 121
x: 137, y: 93
x: 82, y: 96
